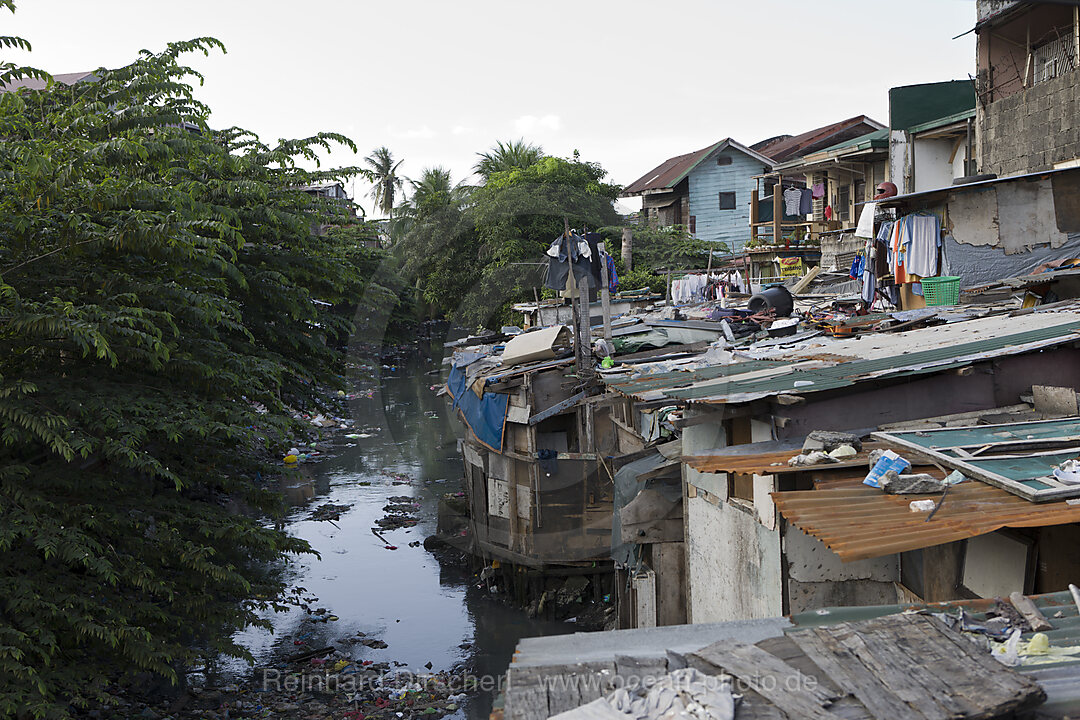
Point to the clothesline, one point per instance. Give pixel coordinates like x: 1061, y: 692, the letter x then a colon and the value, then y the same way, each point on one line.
x: 698, y: 287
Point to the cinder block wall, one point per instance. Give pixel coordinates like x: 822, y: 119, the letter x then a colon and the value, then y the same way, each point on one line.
x: 1031, y: 130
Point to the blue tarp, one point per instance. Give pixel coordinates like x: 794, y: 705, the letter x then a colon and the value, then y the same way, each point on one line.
x: 485, y: 416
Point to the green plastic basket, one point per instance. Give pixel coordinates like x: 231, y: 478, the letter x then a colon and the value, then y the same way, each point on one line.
x: 944, y: 290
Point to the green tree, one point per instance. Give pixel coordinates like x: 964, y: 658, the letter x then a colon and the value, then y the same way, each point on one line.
x: 511, y: 155
x: 439, y: 246
x: 517, y: 213
x: 381, y: 170
x: 666, y: 248
x: 164, y: 305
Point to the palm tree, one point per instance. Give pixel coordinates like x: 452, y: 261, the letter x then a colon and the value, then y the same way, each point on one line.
x: 434, y: 192
x: 507, y: 156
x: 381, y: 171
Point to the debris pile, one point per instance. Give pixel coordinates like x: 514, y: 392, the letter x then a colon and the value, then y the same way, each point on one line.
x: 400, y: 512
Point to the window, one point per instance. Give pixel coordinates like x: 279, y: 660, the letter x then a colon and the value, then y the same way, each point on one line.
x: 727, y: 201
x: 693, y: 224
x: 843, y: 204
x: 723, y: 160
x: 1054, y: 58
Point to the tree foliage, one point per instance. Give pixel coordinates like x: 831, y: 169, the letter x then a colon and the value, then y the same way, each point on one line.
x: 382, y: 172
x: 485, y: 249
x: 440, y: 248
x: 164, y: 302
x: 664, y: 248
x: 505, y: 156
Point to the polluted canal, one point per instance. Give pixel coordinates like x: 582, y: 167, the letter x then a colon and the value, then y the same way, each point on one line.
x: 376, y: 594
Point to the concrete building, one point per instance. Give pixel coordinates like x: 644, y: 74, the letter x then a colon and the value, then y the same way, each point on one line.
x: 931, y: 128
x: 1028, y: 87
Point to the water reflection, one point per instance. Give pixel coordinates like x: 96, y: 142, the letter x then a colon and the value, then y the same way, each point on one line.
x: 424, y: 612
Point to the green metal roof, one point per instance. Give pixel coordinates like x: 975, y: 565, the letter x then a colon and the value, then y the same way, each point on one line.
x: 875, y: 139
x: 848, y: 373
x: 913, y: 105
x: 942, y: 121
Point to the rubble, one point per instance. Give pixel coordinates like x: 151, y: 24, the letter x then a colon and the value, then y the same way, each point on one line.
x: 916, y: 484
x: 827, y: 441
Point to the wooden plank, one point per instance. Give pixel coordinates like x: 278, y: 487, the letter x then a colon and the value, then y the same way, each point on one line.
x: 914, y: 652
x: 753, y: 705
x: 1035, y: 618
x: 775, y: 680
x: 903, y: 686
x: 993, y: 689
x: 846, y: 708
x: 557, y: 408
x: 852, y: 676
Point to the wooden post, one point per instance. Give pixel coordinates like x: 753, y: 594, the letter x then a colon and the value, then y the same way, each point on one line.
x: 605, y: 302
x: 534, y: 467
x: 667, y: 298
x: 777, y: 212
x: 628, y: 249
x: 571, y: 285
x: 755, y: 216
x: 586, y: 370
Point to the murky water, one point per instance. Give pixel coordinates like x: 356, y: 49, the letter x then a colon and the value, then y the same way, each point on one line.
x: 424, y: 612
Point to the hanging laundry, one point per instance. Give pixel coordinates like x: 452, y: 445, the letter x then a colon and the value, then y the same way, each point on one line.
x: 792, y: 200
x: 818, y: 191
x: 806, y: 202
x: 865, y: 228
x: 612, y: 276
x: 560, y: 255
x: 921, y: 234
x: 897, y: 255
x: 828, y: 212
x: 857, y: 267
x: 869, y: 284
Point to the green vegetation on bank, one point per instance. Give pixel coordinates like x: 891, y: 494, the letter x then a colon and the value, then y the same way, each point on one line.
x: 165, y: 302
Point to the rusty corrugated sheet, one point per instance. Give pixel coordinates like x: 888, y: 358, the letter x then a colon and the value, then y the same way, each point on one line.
x: 668, y: 172
x: 818, y: 138
x: 773, y: 463
x: 859, y: 522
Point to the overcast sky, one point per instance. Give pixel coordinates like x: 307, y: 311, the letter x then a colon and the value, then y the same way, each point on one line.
x: 628, y: 83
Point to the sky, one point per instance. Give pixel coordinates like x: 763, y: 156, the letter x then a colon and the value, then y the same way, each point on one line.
x: 626, y: 83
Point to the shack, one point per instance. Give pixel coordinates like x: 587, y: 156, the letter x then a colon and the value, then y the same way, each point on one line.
x: 757, y: 411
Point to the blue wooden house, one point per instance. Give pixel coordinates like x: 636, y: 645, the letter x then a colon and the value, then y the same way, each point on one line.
x: 707, y: 191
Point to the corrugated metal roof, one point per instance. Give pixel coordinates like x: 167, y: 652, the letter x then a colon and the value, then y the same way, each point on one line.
x: 818, y: 138
x: 980, y: 184
x: 859, y: 522
x: 669, y: 173
x: 771, y: 463
x: 846, y: 363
